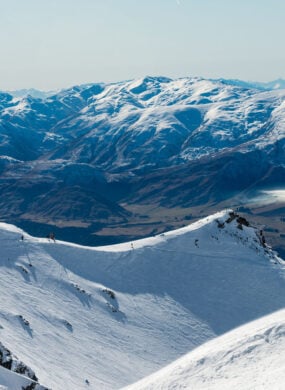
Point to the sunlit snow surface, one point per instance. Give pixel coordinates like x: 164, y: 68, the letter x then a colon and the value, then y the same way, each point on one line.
x: 172, y: 293
x: 249, y: 358
x: 12, y: 381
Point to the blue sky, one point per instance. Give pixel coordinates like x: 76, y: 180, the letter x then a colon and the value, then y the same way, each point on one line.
x: 50, y: 44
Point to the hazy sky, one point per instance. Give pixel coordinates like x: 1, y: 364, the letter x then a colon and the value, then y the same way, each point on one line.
x: 49, y: 44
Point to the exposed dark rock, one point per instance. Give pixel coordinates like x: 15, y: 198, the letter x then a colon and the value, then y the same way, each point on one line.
x: 24, y: 320
x: 11, y: 362
x: 242, y: 221
x: 109, y: 292
x: 221, y: 225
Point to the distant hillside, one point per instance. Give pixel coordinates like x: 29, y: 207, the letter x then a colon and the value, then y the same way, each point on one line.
x: 128, y: 157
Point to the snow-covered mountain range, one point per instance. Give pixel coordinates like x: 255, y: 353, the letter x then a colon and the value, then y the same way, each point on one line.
x: 112, y: 151
x: 138, y: 125
x: 105, y: 317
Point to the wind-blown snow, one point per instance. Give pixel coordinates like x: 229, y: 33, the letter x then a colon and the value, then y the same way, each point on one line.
x: 113, y: 315
x: 249, y: 358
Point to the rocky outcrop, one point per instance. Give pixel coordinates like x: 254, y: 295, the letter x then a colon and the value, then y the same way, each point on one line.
x: 11, y: 362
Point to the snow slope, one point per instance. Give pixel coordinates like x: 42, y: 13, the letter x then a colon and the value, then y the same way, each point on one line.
x: 250, y: 357
x: 9, y: 380
x: 102, y: 318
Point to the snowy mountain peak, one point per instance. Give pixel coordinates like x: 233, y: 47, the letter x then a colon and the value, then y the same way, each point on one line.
x: 35, y: 93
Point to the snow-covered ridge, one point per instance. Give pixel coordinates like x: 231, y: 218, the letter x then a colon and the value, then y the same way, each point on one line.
x: 10, y: 380
x: 107, y: 317
x: 228, y: 222
x: 249, y: 357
